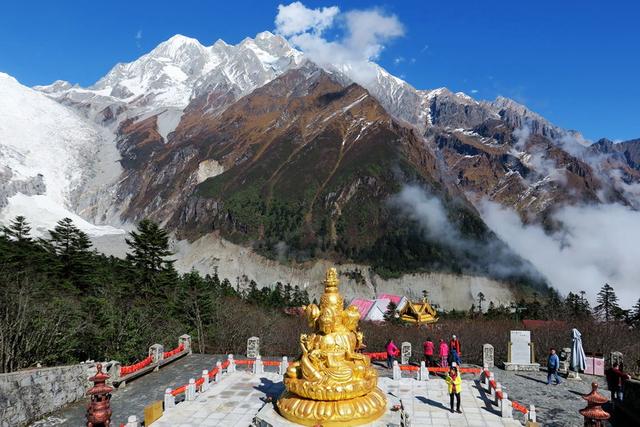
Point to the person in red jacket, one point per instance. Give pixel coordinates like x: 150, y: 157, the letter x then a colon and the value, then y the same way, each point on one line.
x: 454, y: 350
x: 428, y: 347
x: 392, y: 352
x: 615, y: 381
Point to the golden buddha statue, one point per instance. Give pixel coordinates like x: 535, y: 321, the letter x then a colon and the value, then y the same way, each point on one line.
x: 331, y: 383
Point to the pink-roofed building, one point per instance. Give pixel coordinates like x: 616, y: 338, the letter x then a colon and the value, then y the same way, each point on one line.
x: 378, y: 309
x: 363, y: 306
x: 399, y: 301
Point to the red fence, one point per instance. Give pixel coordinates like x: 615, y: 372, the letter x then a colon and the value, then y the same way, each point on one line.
x: 176, y: 350
x: 493, y: 385
x: 129, y: 369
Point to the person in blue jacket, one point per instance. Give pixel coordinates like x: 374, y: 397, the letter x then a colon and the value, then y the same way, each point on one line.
x: 553, y: 363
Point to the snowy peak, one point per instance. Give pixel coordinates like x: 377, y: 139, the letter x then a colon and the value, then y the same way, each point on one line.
x: 169, y: 74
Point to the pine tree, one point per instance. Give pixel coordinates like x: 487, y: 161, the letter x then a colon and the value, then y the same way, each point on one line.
x: 197, y: 299
x: 635, y: 316
x: 391, y: 315
x: 607, y: 303
x: 71, y: 245
x: 253, y: 294
x: 150, y: 247
x: 18, y: 230
x: 481, y: 299
x: 288, y: 295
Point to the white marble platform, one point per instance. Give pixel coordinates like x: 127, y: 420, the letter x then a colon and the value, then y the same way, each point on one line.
x: 240, y: 396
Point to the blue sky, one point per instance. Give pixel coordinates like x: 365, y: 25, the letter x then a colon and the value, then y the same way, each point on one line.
x: 575, y: 62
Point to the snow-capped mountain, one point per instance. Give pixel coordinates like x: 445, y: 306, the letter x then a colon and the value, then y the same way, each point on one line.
x: 256, y: 143
x: 164, y: 81
x: 48, y: 155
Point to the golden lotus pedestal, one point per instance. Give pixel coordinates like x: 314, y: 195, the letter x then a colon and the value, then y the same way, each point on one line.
x: 333, y: 413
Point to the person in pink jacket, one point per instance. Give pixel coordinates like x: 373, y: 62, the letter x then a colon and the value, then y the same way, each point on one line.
x: 444, y: 353
x: 392, y: 352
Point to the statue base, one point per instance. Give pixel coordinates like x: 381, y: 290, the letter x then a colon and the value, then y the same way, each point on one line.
x: 532, y: 367
x: 333, y: 413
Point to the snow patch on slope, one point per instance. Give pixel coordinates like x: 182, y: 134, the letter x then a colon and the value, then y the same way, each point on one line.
x: 44, y: 141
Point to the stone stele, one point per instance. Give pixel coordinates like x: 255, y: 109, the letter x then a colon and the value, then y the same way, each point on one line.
x: 521, y: 353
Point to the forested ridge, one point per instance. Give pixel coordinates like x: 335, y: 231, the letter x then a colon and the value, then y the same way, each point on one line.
x: 61, y: 301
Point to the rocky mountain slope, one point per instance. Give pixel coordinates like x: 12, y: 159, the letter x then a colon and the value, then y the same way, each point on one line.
x: 258, y: 145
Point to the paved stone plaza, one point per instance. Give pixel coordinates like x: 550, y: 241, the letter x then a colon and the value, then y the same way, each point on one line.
x: 238, y: 398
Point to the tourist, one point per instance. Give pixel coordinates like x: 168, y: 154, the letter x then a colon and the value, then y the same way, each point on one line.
x: 455, y: 386
x: 615, y: 381
x: 444, y: 353
x: 553, y: 363
x: 392, y: 352
x: 428, y: 351
x: 454, y: 350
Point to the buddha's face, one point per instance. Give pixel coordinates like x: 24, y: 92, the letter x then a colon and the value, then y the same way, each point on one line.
x: 327, y: 322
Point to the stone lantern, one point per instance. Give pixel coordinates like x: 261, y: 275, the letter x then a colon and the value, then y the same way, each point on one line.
x: 593, y: 414
x: 99, y: 410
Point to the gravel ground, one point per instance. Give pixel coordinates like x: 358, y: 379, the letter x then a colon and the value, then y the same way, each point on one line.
x: 556, y: 405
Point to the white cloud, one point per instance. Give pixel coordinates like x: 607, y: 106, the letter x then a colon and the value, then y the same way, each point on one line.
x: 363, y: 35
x: 474, y: 90
x: 296, y: 18
x: 598, y: 246
x: 398, y: 60
x: 429, y: 212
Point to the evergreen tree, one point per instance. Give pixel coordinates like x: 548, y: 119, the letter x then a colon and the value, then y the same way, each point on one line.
x: 149, y: 251
x: 150, y: 247
x: 18, y: 230
x: 391, y: 315
x: 71, y: 245
x: 253, y: 294
x: 481, y: 299
x: 277, y: 296
x: 554, y: 306
x: 607, y: 307
x: 300, y: 297
x: 288, y: 295
x: 635, y: 316
x: 197, y: 299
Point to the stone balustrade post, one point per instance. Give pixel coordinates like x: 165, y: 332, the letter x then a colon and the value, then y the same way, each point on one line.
x: 532, y: 413
x: 489, y: 389
x: 115, y: 371
x: 132, y: 421
x: 488, y: 356
x: 186, y: 341
x: 169, y: 400
x: 258, y: 366
x: 232, y: 364
x: 405, y: 355
x: 506, y: 407
x: 218, y: 375
x: 190, y: 392
x: 423, y: 373
x: 205, y: 380
x: 397, y: 373
x: 284, y: 364
x: 156, y: 352
x: 486, y: 379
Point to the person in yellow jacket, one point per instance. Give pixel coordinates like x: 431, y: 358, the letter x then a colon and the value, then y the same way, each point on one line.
x: 454, y: 381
